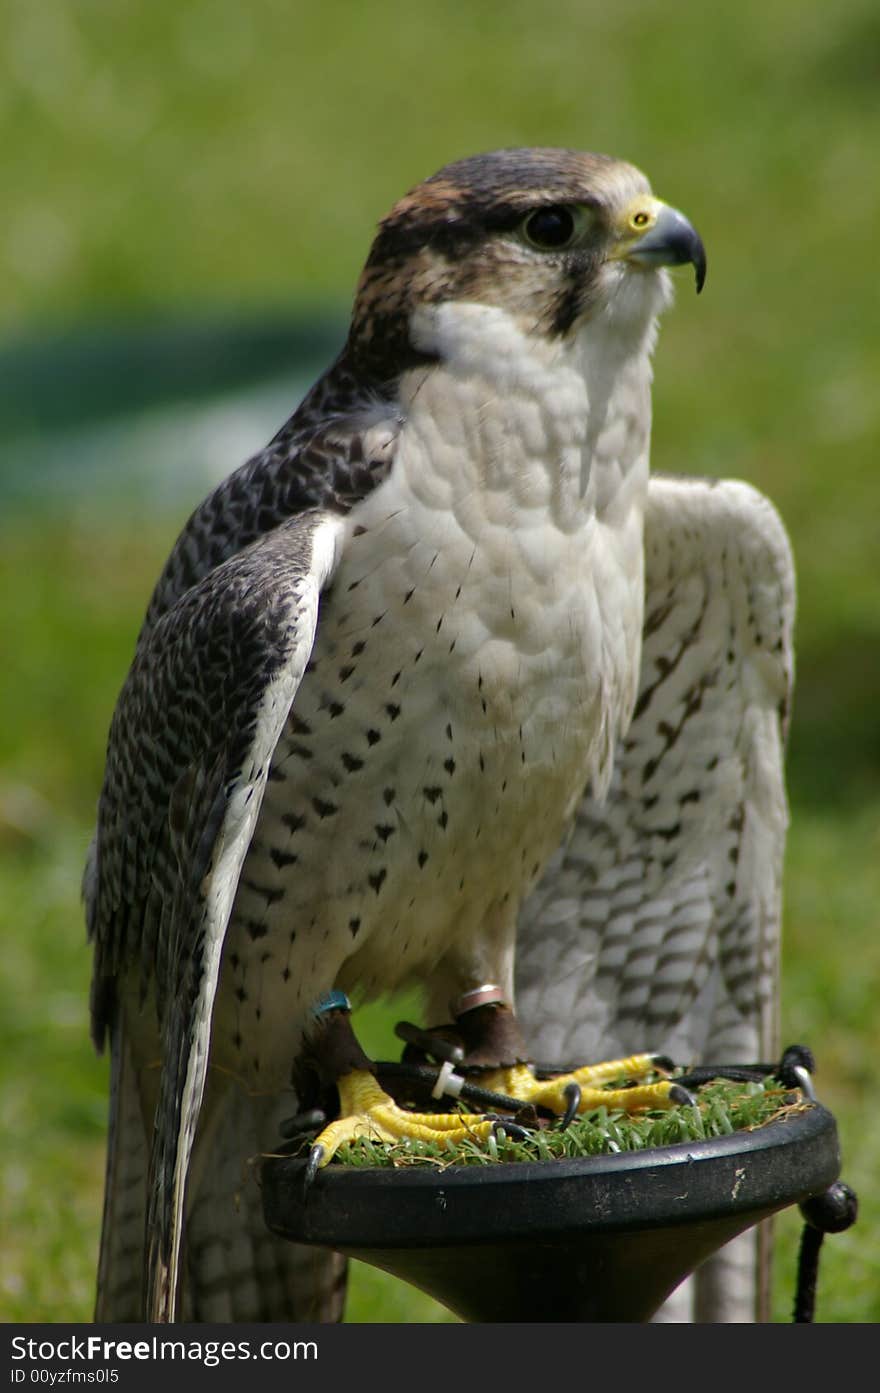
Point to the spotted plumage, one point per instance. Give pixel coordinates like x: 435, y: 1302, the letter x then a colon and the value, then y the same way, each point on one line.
x: 382, y: 664
x: 657, y: 924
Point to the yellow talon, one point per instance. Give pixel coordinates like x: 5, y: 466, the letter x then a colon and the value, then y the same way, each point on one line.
x: 366, y: 1110
x: 520, y: 1082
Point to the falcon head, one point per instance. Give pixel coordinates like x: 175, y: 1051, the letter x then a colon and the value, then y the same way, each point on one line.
x: 551, y: 237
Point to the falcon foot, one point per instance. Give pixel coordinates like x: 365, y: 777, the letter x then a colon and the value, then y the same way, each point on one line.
x: 487, y: 1029
x: 366, y: 1110
x: 481, y: 1062
x: 584, y: 1089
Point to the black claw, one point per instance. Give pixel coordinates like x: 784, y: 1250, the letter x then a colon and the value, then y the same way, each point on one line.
x: 663, y: 1061
x: 572, y: 1096
x: 316, y: 1156
x: 509, y: 1129
x: 681, y: 1096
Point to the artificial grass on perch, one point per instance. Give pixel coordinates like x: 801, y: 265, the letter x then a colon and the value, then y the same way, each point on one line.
x: 713, y: 1103
x: 720, y: 1108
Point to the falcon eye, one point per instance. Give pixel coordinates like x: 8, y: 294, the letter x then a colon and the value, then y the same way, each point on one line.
x: 551, y: 229
x: 640, y: 220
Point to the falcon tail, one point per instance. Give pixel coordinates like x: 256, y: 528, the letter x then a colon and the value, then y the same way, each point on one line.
x: 231, y: 1267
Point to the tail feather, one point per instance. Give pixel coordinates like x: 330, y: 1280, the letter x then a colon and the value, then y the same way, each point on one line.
x: 235, y: 1269
x: 120, y: 1294
x: 232, y: 1269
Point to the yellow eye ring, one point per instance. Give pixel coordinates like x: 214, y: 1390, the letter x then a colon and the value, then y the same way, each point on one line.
x: 640, y: 220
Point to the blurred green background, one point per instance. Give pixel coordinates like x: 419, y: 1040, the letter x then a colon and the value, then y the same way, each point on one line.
x: 186, y: 185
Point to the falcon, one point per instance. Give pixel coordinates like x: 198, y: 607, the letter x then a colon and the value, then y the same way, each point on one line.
x: 382, y: 665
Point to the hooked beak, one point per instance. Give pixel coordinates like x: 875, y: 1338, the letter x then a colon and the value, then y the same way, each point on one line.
x: 669, y: 239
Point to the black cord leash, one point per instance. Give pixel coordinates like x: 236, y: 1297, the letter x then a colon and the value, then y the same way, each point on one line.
x: 832, y: 1212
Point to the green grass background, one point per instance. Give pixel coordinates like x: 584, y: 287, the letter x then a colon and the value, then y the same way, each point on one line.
x: 168, y: 157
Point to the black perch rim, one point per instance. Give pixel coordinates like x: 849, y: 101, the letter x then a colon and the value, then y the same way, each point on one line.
x: 602, y: 1238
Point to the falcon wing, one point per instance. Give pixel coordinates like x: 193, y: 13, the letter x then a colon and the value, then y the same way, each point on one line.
x: 657, y: 925
x: 190, y: 746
